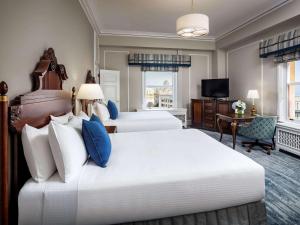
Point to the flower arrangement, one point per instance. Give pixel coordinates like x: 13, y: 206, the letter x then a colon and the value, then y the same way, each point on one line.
x: 239, y: 107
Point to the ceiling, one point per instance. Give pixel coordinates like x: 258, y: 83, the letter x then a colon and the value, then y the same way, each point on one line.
x: 158, y: 17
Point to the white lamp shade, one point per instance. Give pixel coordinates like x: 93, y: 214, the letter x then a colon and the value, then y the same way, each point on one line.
x: 253, y: 94
x: 192, y: 25
x: 90, y: 92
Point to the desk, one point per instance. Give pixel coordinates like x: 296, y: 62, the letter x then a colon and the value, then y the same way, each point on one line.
x: 234, y: 120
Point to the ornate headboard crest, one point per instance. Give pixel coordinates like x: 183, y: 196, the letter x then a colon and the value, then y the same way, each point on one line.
x: 48, y: 66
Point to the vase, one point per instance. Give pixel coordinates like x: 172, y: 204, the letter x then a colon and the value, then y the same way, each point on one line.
x: 239, y: 111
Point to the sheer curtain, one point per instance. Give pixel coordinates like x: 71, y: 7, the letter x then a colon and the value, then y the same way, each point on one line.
x: 282, y: 96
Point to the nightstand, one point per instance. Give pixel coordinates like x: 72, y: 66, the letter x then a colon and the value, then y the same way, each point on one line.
x: 111, y: 129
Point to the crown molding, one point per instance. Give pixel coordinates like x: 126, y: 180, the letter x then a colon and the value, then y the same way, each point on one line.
x: 107, y: 32
x: 121, y: 33
x: 253, y: 19
x: 90, y: 15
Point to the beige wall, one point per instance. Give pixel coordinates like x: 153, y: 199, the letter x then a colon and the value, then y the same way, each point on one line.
x: 29, y: 27
x: 247, y: 71
x: 242, y: 63
x: 189, y: 79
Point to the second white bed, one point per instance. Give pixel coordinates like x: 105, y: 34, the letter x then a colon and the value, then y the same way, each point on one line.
x: 145, y: 121
x: 149, y: 175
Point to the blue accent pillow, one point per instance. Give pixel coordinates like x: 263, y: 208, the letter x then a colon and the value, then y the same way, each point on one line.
x: 113, y: 110
x: 96, y: 140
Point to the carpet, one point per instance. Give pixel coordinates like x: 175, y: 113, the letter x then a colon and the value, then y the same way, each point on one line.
x: 282, y: 181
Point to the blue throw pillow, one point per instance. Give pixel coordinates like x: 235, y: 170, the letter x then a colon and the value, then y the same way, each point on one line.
x: 95, y: 118
x: 113, y: 110
x: 96, y: 140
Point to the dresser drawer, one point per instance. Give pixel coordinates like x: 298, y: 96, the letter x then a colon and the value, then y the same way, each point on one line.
x: 210, y: 125
x: 209, y: 117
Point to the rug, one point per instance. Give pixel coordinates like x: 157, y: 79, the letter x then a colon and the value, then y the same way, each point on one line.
x: 282, y: 181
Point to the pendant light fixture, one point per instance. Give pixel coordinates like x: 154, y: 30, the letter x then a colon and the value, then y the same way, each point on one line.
x: 192, y: 25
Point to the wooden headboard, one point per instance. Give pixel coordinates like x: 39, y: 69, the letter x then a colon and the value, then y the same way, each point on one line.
x: 34, y: 108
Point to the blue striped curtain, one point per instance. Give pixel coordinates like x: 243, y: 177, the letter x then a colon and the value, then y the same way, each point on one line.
x: 159, y: 62
x: 284, y: 47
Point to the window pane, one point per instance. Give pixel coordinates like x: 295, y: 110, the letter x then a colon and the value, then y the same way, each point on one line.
x: 297, y: 71
x: 294, y: 102
x: 159, y: 89
x: 294, y: 71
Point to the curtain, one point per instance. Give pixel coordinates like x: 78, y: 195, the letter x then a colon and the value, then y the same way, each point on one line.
x: 284, y: 47
x: 159, y: 62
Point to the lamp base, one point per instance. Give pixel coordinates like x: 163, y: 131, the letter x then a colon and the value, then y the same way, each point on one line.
x: 253, y: 111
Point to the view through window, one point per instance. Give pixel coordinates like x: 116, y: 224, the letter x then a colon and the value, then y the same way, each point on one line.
x: 294, y: 90
x: 159, y: 89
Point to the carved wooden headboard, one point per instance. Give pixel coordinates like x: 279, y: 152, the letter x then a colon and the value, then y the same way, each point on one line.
x: 34, y: 108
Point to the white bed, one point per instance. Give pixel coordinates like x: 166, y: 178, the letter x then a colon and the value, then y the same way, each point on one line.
x: 149, y: 175
x: 145, y: 121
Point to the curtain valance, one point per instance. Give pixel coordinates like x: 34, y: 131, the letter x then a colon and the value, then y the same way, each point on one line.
x: 159, y: 62
x: 283, y: 47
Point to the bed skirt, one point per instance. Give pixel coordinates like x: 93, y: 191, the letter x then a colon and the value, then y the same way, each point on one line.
x: 248, y: 214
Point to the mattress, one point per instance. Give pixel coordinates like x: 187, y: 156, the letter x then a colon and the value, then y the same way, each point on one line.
x: 150, y: 175
x: 145, y: 121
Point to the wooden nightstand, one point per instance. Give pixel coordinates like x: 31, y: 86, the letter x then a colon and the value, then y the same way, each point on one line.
x: 111, y: 129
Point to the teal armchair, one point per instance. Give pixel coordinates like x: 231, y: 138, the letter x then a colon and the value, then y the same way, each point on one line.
x: 262, y: 128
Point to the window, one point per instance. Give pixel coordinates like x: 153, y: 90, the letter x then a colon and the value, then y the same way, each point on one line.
x: 293, y: 90
x: 159, y: 89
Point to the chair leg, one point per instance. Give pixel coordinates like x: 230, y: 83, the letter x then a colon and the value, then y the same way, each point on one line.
x: 274, y: 144
x: 250, y: 147
x: 265, y: 146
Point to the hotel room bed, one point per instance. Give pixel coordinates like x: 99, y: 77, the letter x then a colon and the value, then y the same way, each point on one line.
x: 150, y: 175
x: 145, y: 121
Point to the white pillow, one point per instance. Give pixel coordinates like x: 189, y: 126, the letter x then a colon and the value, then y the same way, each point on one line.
x: 76, y: 121
x: 83, y: 115
x: 101, y: 111
x: 68, y: 150
x: 38, y: 153
x: 62, y: 119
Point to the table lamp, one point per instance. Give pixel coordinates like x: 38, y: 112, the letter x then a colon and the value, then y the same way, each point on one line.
x: 253, y: 94
x: 89, y: 92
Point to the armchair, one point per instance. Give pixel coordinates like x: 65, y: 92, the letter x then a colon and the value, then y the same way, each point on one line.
x: 261, y: 128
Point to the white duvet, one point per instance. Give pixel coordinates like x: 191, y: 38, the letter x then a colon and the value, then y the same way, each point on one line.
x: 145, y: 121
x: 149, y: 175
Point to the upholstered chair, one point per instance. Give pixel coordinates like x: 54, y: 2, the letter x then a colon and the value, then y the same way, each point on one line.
x: 261, y: 129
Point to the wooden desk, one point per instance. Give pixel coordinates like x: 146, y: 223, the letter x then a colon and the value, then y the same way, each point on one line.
x: 234, y: 120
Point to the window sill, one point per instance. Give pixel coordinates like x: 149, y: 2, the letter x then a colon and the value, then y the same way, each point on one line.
x: 289, y: 124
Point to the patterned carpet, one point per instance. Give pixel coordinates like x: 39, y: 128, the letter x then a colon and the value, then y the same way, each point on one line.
x: 282, y: 182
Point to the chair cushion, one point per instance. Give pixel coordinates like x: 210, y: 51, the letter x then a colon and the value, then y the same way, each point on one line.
x: 113, y: 110
x: 97, y: 141
x: 262, y: 127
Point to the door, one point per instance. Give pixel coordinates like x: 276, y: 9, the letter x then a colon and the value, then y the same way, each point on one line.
x: 110, y: 84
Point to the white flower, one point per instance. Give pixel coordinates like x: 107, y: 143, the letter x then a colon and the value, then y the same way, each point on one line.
x: 240, y: 105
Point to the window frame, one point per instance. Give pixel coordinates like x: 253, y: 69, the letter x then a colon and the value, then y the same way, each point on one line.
x: 283, y: 85
x: 174, y: 85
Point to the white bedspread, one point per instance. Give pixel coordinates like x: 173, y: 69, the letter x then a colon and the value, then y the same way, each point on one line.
x: 145, y: 121
x: 150, y: 175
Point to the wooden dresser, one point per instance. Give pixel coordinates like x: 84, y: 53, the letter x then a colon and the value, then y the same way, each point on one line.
x: 204, y: 113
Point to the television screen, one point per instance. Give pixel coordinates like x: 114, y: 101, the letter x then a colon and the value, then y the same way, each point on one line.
x: 215, y: 88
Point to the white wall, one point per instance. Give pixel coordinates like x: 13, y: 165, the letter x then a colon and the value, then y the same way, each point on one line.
x: 29, y: 27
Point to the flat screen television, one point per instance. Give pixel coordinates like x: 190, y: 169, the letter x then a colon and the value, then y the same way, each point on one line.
x: 215, y: 88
